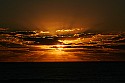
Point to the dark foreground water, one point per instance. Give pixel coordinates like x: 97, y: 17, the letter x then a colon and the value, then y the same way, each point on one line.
x: 63, y: 72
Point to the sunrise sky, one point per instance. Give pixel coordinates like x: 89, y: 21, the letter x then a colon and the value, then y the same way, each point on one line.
x: 96, y: 15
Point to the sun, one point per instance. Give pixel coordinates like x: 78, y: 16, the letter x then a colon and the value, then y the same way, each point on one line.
x: 59, y: 47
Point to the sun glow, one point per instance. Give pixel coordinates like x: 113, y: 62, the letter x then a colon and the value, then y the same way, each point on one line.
x: 59, y: 47
x: 44, y: 32
x: 76, y: 41
x: 69, y: 30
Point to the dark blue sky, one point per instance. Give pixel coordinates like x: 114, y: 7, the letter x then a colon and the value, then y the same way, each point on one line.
x: 97, y: 15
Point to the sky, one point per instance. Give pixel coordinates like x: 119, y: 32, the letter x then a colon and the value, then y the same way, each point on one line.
x: 95, y: 15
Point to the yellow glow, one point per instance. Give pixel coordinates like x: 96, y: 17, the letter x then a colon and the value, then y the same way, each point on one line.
x: 59, y: 56
x: 59, y: 47
x: 58, y: 52
x: 78, y: 40
x: 68, y: 30
x: 45, y: 32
